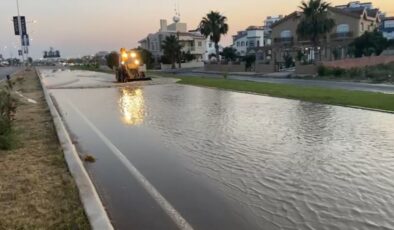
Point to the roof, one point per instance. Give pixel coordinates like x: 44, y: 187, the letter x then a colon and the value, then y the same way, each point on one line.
x: 357, y: 12
x: 388, y: 18
x: 287, y: 17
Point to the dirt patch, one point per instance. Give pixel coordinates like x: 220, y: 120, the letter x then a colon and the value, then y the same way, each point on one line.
x: 36, y: 188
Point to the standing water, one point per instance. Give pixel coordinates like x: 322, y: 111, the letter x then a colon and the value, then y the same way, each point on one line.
x: 284, y: 164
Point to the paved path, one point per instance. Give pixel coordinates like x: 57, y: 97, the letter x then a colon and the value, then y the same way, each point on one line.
x: 382, y: 88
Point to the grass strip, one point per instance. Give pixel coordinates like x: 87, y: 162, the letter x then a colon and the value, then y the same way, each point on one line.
x: 371, y: 100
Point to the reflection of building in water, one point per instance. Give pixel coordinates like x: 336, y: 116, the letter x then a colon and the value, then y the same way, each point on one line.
x: 131, y: 105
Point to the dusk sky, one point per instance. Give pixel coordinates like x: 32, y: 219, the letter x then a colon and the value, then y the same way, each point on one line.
x: 80, y: 27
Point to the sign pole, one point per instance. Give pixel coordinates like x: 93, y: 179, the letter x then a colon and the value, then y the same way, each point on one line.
x: 20, y: 32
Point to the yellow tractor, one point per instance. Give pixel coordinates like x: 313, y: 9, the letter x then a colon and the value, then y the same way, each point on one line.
x: 130, y: 67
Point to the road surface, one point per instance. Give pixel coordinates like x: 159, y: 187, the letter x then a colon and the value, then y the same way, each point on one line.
x: 4, y: 71
x: 382, y: 88
x: 172, y: 156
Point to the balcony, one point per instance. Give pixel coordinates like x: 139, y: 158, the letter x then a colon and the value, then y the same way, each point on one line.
x: 285, y: 40
x: 342, y: 35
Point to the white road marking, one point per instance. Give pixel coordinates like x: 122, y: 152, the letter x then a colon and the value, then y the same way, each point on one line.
x: 163, y: 203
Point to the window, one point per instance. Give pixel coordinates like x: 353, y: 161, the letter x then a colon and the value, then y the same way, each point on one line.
x: 210, y: 45
x: 247, y: 43
x: 343, y: 28
x: 362, y: 26
x: 258, y: 43
x: 199, y: 44
x: 237, y: 43
x: 285, y: 34
x: 242, y: 43
x: 389, y: 24
x: 251, y: 43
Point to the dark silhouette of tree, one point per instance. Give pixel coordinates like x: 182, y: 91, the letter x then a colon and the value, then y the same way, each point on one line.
x: 171, y: 49
x: 112, y: 60
x: 315, y: 22
x: 214, y: 25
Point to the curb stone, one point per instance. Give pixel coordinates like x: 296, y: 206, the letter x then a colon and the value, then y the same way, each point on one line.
x: 91, y: 202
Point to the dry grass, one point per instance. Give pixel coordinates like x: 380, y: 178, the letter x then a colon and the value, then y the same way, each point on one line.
x: 36, y: 188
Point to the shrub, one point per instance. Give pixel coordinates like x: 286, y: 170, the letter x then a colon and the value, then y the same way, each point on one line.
x: 355, y: 73
x: 338, y: 72
x: 323, y: 71
x: 7, y: 109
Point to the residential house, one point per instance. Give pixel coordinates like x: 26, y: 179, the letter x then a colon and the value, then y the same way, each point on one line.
x: 192, y: 41
x: 248, y: 39
x: 349, y: 25
x: 268, y: 22
x: 211, y: 50
x: 387, y: 28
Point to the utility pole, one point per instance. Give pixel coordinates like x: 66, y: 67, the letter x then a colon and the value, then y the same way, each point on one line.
x: 20, y: 32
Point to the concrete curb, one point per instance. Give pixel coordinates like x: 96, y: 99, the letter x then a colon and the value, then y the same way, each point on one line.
x: 92, y: 204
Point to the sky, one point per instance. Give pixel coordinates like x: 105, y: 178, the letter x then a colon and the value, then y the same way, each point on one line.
x: 84, y: 27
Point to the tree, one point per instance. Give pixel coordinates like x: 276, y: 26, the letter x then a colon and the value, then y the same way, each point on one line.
x: 171, y: 49
x: 147, y: 57
x: 315, y: 22
x: 249, y: 61
x: 187, y: 56
x: 214, y: 25
x: 112, y: 60
x: 229, y: 54
x: 368, y: 44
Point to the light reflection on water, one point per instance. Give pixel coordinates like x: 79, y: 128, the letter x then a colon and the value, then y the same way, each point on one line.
x: 131, y: 105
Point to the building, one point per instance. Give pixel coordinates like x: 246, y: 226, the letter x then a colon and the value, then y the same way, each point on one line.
x: 355, y: 6
x: 192, y: 41
x: 268, y: 22
x: 248, y: 39
x: 350, y: 24
x: 211, y: 50
x: 387, y: 28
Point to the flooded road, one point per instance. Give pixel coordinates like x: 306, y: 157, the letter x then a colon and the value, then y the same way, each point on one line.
x: 226, y: 160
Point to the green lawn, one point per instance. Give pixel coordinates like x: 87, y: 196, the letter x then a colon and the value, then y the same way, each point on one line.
x: 313, y: 94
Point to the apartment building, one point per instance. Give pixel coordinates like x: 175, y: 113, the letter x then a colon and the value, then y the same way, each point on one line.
x: 350, y: 24
x: 248, y: 39
x: 192, y: 41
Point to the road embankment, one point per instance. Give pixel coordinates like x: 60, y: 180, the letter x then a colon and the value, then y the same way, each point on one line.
x: 36, y: 188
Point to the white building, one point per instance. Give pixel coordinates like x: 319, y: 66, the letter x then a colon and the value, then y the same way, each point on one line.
x: 387, y: 28
x: 211, y: 50
x: 250, y: 38
x: 192, y: 41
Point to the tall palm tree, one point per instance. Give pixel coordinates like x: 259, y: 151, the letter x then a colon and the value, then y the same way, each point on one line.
x: 315, y: 22
x: 214, y: 25
x: 172, y: 49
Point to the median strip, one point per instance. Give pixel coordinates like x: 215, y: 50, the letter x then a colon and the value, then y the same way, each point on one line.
x: 349, y: 98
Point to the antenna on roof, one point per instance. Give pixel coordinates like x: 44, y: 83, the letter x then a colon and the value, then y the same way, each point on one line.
x: 177, y: 16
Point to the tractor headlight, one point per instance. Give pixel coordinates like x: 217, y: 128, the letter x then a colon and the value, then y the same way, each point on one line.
x: 133, y: 55
x: 124, y: 55
x: 137, y: 62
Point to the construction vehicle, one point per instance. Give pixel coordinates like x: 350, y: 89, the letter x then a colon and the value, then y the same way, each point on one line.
x: 130, y: 67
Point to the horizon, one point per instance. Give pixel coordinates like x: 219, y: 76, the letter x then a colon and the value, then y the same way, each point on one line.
x: 76, y: 30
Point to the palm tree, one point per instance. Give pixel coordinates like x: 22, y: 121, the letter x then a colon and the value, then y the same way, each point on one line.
x: 315, y: 22
x: 172, y: 49
x: 214, y: 25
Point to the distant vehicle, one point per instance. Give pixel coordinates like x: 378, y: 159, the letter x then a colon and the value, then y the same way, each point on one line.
x: 4, y: 64
x: 130, y: 67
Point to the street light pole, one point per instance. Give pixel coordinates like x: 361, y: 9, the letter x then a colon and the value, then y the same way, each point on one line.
x: 20, y: 31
